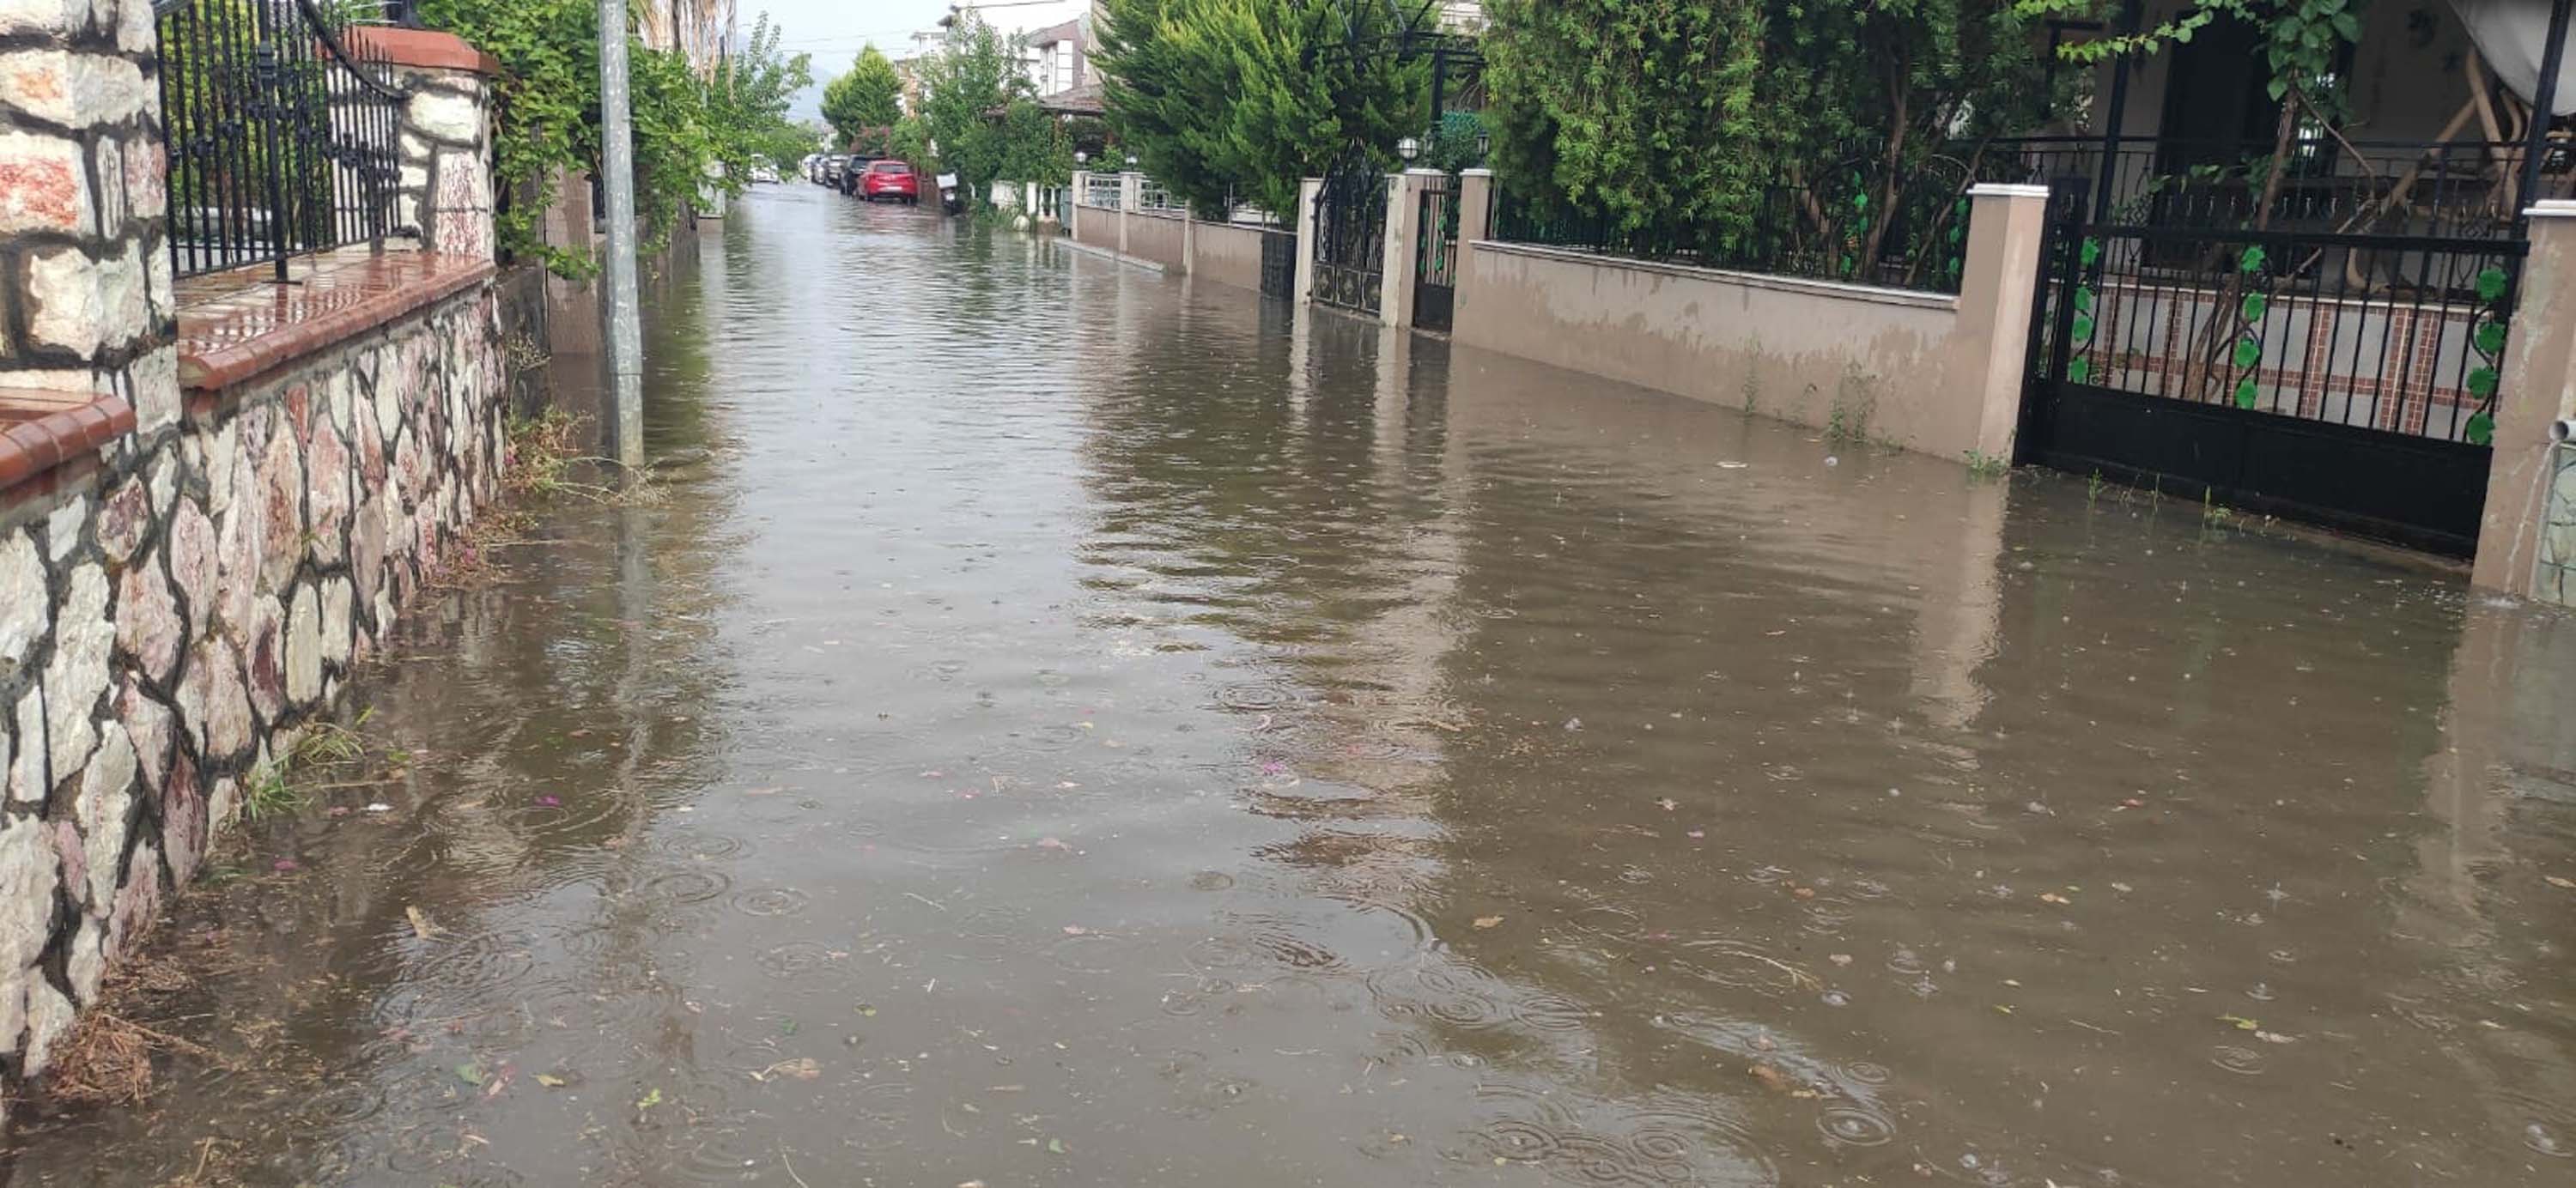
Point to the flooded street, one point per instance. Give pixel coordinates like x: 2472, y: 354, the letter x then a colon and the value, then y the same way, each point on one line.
x: 1078, y: 729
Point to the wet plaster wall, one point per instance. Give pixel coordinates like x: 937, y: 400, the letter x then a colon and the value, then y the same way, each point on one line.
x: 1926, y: 371
x: 166, y: 625
x: 1226, y: 254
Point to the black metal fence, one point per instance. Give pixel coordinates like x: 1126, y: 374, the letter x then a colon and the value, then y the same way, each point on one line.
x: 2403, y: 334
x: 2465, y: 189
x: 1917, y: 241
x: 281, y: 133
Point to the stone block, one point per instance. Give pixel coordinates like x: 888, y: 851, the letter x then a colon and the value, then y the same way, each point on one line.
x: 338, y: 628
x: 124, y: 517
x: 107, y: 89
x: 63, y: 528
x: 264, y: 657
x: 445, y: 116
x: 304, y: 647
x: 183, y: 820
x: 134, y: 28
x: 154, y: 377
x: 26, y: 607
x: 49, y: 1018
x: 61, y: 294
x: 281, y: 511
x: 39, y: 83
x: 137, y: 903
x: 123, y: 299
x: 28, y: 876
x: 151, y: 726
x: 147, y: 190
x: 192, y: 563
x: 327, y: 473
x: 42, y: 184
x: 42, y: 16
x: 214, y: 702
x: 105, y: 809
x: 77, y: 676
x: 29, y: 777
x: 148, y: 625
x: 110, y: 193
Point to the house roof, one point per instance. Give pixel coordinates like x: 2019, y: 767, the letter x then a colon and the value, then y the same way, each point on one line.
x: 1081, y: 100
x: 1068, y: 31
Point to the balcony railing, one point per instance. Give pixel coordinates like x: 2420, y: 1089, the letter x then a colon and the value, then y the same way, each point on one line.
x: 281, y: 134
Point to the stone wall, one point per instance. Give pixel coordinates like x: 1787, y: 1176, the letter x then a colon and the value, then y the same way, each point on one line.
x: 85, y: 288
x: 185, y: 584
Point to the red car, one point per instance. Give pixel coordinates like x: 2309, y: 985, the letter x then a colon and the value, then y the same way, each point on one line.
x: 890, y: 179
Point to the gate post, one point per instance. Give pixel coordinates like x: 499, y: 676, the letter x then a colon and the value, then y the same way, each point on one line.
x: 1073, y: 201
x: 1475, y: 221
x: 1131, y: 195
x: 1998, y: 287
x: 1403, y: 215
x: 2527, y: 538
x: 1308, y: 237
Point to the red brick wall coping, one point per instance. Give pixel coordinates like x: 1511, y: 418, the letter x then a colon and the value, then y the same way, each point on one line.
x: 239, y: 325
x: 425, y: 49
x: 41, y: 430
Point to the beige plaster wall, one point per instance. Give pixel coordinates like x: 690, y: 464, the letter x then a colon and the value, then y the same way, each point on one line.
x: 1932, y: 373
x: 1157, y: 238
x: 1228, y: 255
x: 1096, y: 227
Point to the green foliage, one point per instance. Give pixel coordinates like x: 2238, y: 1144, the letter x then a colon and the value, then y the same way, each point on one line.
x: 1681, y: 117
x: 1240, y: 98
x: 1453, y: 144
x: 685, y: 126
x: 869, y: 97
x: 2301, y: 40
x: 977, y: 112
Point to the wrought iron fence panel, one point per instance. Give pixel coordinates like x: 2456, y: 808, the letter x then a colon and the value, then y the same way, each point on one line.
x: 281, y: 133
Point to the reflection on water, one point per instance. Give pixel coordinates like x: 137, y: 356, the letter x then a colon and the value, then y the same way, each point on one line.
x: 1082, y: 728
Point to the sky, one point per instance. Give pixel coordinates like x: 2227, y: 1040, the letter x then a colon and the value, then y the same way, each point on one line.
x: 833, y: 31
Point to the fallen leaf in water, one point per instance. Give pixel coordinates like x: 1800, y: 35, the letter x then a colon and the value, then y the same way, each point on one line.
x: 649, y: 1100
x: 2560, y: 882
x: 471, y: 1073
x: 803, y: 1068
x: 550, y: 802
x: 1803, y: 892
x: 1056, y: 1145
x: 500, y: 1081
x: 2274, y: 1037
x: 1052, y: 843
x: 283, y: 865
x: 2054, y: 897
x: 1668, y: 804
x: 551, y: 1081
x: 1076, y: 930
x: 1839, y: 958
x: 2240, y: 1023
x: 1488, y: 921
x: 420, y: 925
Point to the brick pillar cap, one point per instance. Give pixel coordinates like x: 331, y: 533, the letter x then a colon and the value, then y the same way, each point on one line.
x: 421, y: 49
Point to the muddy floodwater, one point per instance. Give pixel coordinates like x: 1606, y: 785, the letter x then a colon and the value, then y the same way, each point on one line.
x: 1079, y: 728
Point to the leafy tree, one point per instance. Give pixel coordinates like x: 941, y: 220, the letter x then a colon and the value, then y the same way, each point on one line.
x: 869, y: 96
x: 1696, y: 119
x: 975, y: 108
x: 2301, y: 41
x: 690, y: 132
x: 1244, y: 97
x: 747, y: 102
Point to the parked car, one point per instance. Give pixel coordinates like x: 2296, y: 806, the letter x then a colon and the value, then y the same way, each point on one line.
x: 832, y: 170
x: 764, y: 175
x: 889, y: 180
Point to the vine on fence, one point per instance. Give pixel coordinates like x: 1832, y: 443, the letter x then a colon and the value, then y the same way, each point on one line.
x: 2494, y: 289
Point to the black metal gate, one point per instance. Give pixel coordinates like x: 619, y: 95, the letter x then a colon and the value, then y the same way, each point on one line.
x: 1278, y: 263
x: 1350, y: 234
x: 2345, y: 380
x: 1435, y: 256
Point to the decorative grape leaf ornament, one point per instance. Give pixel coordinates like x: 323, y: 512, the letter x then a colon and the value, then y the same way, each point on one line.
x: 2488, y: 341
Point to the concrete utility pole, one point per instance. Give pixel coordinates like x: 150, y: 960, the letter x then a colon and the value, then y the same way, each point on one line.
x: 617, y: 162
